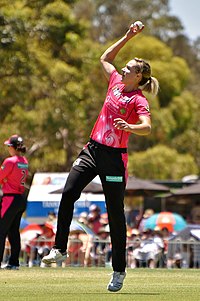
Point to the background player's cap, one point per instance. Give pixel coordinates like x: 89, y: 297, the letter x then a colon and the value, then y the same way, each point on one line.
x: 14, y: 141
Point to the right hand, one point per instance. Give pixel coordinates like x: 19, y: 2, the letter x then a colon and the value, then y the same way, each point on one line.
x: 133, y: 30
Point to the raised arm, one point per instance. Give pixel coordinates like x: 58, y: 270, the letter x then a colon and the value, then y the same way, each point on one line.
x: 109, y: 55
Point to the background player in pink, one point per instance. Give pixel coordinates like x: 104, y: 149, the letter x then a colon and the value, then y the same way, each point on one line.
x: 13, y: 174
x: 125, y: 111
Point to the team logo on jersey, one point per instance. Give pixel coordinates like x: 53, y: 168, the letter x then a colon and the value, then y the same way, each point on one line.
x: 77, y: 162
x: 123, y: 111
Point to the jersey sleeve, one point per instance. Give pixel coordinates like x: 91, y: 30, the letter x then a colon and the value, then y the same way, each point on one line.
x: 142, y: 107
x: 5, y: 169
x: 114, y: 78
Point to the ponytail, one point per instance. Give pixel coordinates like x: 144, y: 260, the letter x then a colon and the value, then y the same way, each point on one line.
x: 21, y: 149
x: 151, y: 86
x: 148, y: 83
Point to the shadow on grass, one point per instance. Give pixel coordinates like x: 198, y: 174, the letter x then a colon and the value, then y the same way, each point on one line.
x: 116, y: 293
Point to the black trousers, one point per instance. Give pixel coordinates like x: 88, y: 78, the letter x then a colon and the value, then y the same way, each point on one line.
x: 11, y: 210
x: 110, y: 165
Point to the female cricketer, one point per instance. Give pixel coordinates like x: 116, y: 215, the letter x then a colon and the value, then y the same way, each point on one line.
x: 13, y: 175
x: 125, y: 111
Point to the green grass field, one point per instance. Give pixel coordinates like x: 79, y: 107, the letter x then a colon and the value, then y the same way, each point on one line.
x: 89, y: 284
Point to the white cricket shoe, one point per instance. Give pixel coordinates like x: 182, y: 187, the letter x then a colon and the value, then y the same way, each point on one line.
x: 44, y: 265
x: 116, y: 281
x: 10, y: 267
x: 54, y: 256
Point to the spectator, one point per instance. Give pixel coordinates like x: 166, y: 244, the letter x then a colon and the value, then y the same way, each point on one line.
x: 103, y: 253
x: 94, y: 217
x: 165, y: 234
x: 51, y: 221
x: 83, y: 218
x: 130, y: 215
x: 76, y: 251
x: 80, y: 244
x: 40, y: 246
x: 146, y: 215
x: 104, y: 219
x: 149, y: 251
x: 133, y: 242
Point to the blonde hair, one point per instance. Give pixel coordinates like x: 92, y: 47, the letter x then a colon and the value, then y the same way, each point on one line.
x: 148, y: 83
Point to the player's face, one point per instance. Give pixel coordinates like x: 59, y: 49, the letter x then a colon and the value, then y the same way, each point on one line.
x: 130, y: 74
x: 11, y: 150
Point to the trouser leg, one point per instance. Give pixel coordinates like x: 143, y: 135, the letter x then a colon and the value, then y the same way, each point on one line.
x: 11, y: 212
x: 114, y: 195
x: 114, y: 181
x: 14, y: 239
x: 2, y: 245
x: 6, y: 217
x: 79, y: 176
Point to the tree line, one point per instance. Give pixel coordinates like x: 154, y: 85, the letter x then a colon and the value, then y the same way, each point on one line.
x: 52, y: 86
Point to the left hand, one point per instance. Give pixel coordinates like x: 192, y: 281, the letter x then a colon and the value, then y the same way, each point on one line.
x: 121, y: 124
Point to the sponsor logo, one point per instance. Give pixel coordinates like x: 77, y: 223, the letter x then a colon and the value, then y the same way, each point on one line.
x: 114, y: 179
x: 22, y: 165
x: 77, y: 162
x: 116, y: 91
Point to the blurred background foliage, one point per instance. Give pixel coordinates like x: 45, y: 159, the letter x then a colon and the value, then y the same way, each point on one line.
x: 52, y: 87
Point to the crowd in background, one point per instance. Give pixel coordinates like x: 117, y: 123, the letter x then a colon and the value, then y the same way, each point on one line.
x: 90, y: 245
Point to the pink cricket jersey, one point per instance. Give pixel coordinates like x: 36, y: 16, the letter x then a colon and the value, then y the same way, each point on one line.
x: 118, y: 104
x: 13, y: 174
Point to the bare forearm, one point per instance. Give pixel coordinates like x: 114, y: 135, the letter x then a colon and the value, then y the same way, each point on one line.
x: 110, y: 54
x: 141, y: 129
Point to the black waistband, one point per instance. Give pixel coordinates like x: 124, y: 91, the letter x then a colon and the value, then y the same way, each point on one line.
x: 11, y: 194
x: 109, y: 148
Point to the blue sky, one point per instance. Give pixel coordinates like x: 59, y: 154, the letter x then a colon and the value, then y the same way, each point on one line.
x: 189, y: 14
